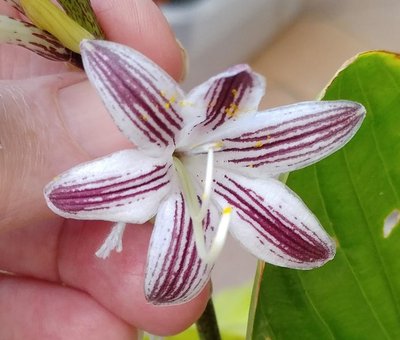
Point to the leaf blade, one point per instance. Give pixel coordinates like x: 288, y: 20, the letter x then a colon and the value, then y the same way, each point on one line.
x: 351, y: 192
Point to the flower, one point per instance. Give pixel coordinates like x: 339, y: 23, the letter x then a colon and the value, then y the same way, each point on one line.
x: 198, y: 157
x: 43, y: 28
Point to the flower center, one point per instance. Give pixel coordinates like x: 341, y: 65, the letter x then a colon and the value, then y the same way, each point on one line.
x: 198, y: 206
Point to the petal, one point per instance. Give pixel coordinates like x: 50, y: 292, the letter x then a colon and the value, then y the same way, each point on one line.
x: 227, y: 96
x: 15, y: 4
x: 273, y: 223
x: 290, y: 137
x: 16, y: 32
x: 141, y: 98
x: 123, y: 187
x: 175, y: 273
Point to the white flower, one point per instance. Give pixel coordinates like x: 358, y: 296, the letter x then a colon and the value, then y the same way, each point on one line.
x: 200, y: 158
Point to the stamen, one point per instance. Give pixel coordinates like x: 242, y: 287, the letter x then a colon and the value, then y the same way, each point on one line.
x: 205, y: 199
x: 198, y: 211
x: 113, y: 241
x: 220, y: 237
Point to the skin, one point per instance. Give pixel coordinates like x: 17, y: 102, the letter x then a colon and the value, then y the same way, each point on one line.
x: 50, y: 120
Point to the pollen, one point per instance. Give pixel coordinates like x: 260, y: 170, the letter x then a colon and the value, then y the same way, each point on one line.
x: 235, y: 93
x: 169, y: 101
x: 185, y: 103
x: 144, y: 118
x: 218, y: 145
x: 231, y: 110
x: 259, y: 144
x: 227, y: 210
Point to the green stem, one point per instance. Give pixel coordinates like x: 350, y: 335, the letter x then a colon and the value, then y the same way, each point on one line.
x: 207, y: 325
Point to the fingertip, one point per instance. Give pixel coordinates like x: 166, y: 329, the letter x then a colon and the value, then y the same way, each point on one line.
x: 141, y: 25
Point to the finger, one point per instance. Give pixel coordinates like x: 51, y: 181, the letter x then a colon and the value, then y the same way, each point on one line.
x: 141, y: 25
x: 66, y: 254
x: 34, y: 147
x: 36, y: 310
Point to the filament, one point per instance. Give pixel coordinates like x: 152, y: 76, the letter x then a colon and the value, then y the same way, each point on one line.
x: 198, y: 211
x: 113, y: 241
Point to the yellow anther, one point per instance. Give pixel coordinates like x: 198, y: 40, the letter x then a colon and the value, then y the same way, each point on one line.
x: 167, y: 105
x: 49, y: 17
x: 227, y: 210
x: 218, y: 145
x: 231, y: 110
x: 259, y: 144
x: 144, y: 117
x: 235, y: 93
x: 185, y: 103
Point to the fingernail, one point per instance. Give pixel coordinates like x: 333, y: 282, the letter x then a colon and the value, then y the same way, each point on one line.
x: 185, y: 61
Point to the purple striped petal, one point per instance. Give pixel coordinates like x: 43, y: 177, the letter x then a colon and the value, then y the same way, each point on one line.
x: 273, y: 223
x: 290, y: 137
x: 175, y: 273
x: 15, y: 4
x: 20, y: 33
x: 123, y: 187
x: 227, y: 96
x: 139, y: 95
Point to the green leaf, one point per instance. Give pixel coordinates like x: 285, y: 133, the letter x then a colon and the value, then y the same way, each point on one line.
x: 81, y: 11
x: 357, y: 295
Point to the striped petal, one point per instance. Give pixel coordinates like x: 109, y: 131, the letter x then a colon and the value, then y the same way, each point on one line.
x: 17, y: 32
x: 273, y: 223
x: 15, y: 4
x: 175, y: 273
x: 142, y: 98
x: 289, y: 137
x: 123, y: 187
x: 227, y: 96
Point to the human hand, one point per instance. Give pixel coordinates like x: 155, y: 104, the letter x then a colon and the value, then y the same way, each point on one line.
x: 50, y: 120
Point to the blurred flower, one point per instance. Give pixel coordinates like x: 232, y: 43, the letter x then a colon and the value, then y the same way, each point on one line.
x: 47, y: 30
x: 202, y: 161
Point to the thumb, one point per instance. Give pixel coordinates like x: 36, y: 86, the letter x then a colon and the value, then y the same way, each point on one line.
x: 49, y: 124
x: 141, y: 25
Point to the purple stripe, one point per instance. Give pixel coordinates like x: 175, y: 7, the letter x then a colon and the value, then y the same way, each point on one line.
x: 125, y: 93
x: 221, y: 97
x: 167, y: 291
x: 291, y: 145
x: 292, y: 151
x: 269, y: 223
x: 144, y: 86
x: 91, y: 199
x: 308, y: 122
x: 168, y: 258
x: 176, y: 284
x: 77, y: 190
x: 176, y: 119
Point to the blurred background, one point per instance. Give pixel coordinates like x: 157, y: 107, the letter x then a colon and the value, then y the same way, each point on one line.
x: 298, y: 45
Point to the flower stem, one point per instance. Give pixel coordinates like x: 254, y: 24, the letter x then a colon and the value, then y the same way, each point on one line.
x: 207, y: 325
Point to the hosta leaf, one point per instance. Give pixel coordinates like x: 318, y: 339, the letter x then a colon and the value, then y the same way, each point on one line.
x: 353, y: 192
x: 81, y: 11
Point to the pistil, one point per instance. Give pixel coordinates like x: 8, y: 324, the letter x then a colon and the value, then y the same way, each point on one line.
x: 198, y: 211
